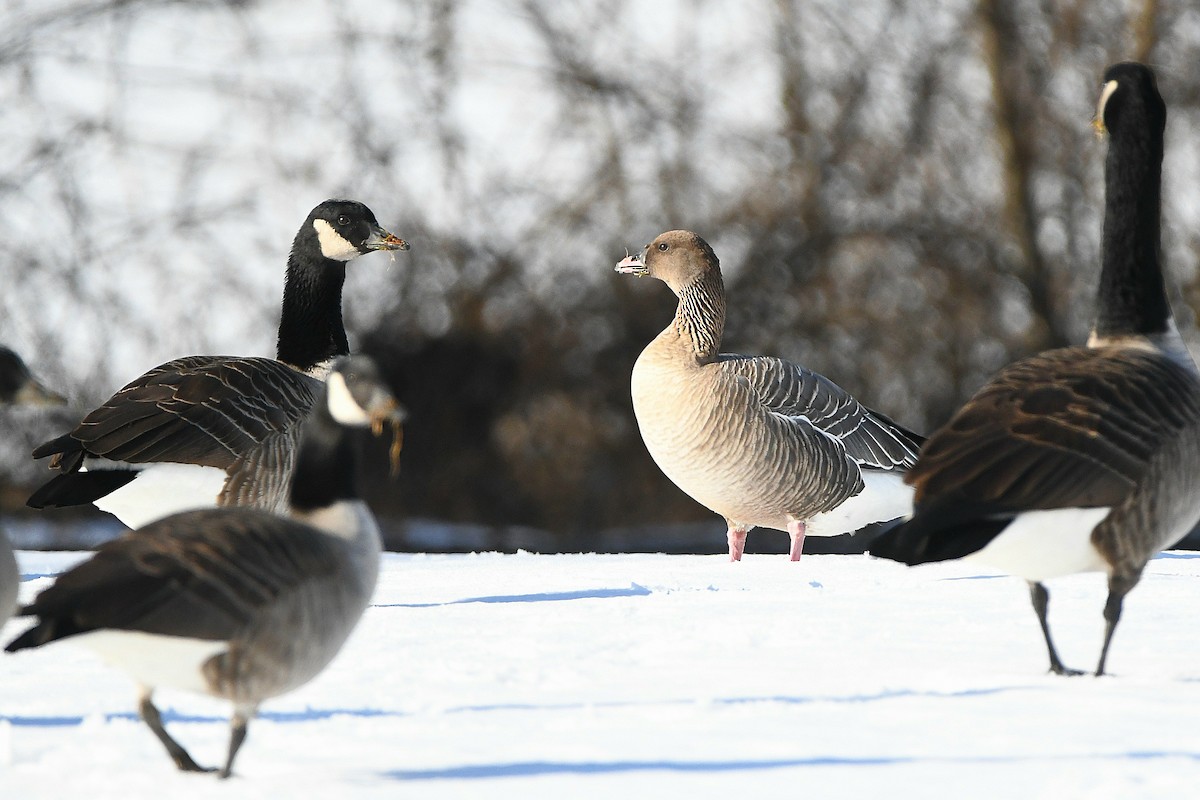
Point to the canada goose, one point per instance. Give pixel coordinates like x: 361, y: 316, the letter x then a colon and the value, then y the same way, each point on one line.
x: 760, y: 441
x: 1084, y: 458
x: 17, y: 387
x: 220, y: 430
x: 237, y: 603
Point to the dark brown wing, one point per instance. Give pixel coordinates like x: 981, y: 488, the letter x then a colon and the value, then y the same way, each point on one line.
x: 200, y: 574
x: 215, y: 411
x: 1074, y: 427
x: 1069, y: 428
x: 206, y: 410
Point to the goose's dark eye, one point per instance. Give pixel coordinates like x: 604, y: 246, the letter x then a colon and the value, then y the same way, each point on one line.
x: 663, y: 246
x: 343, y: 220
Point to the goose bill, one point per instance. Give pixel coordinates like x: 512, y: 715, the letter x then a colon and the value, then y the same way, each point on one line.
x: 381, y: 239
x: 390, y: 413
x: 632, y: 265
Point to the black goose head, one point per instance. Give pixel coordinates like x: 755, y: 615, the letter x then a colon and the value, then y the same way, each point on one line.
x: 357, y: 396
x: 1130, y: 102
x: 342, y: 230
x: 310, y: 326
x: 19, y: 387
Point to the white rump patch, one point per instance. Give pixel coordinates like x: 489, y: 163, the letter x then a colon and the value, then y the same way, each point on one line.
x: 885, y: 496
x: 342, y: 405
x: 153, y: 659
x: 1039, y: 545
x: 333, y: 244
x: 163, y: 489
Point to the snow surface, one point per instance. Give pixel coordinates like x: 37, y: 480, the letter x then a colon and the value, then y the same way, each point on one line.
x: 589, y: 676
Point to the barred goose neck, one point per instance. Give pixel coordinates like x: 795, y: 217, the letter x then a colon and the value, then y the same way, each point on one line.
x: 1132, y: 300
x: 700, y: 318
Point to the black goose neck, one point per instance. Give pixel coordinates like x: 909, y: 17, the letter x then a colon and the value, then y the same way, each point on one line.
x: 326, y: 465
x: 310, y: 325
x: 700, y: 317
x: 1132, y: 297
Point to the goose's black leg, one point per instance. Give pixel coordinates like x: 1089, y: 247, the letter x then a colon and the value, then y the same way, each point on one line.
x: 1041, y: 599
x: 1118, y: 587
x: 154, y: 720
x: 237, y: 734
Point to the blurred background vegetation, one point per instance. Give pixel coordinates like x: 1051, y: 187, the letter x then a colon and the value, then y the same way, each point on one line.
x: 905, y: 195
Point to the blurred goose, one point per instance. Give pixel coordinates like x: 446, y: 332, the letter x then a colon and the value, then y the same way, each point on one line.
x: 1084, y: 458
x: 17, y: 387
x: 237, y: 603
x: 219, y: 430
x: 760, y: 441
x: 10, y: 579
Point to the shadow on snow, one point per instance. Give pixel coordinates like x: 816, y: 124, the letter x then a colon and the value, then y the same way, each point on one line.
x: 169, y: 716
x: 538, y: 768
x: 633, y: 590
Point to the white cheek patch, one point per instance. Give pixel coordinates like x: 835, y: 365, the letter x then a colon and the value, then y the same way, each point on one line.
x: 333, y: 244
x: 342, y: 406
x: 1109, y: 88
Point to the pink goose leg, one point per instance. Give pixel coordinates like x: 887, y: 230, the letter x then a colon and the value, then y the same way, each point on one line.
x: 795, y: 529
x: 737, y: 541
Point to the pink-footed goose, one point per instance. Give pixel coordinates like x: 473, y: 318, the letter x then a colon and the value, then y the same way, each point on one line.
x: 237, y: 603
x: 219, y: 430
x: 1084, y: 458
x: 760, y: 441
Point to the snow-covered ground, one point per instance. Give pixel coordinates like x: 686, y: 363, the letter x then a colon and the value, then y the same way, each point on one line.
x: 663, y: 676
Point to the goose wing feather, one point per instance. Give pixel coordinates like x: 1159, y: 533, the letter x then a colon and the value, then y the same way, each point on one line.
x: 1068, y: 428
x: 201, y: 574
x: 811, y: 401
x: 206, y: 410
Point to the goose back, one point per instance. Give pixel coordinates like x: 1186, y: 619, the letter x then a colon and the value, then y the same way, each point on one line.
x: 241, y: 416
x: 1075, y: 428
x: 277, y: 597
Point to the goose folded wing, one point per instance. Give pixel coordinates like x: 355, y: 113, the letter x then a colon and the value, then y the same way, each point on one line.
x: 807, y: 398
x: 202, y: 575
x: 1070, y: 428
x: 206, y: 410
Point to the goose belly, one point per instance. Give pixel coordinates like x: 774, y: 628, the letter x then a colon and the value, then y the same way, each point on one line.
x: 1038, y: 545
x: 726, y: 462
x: 293, y: 641
x: 163, y: 489
x: 284, y: 649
